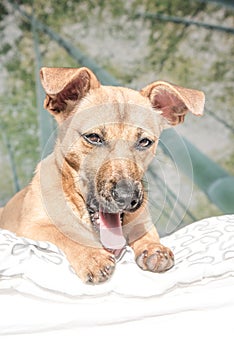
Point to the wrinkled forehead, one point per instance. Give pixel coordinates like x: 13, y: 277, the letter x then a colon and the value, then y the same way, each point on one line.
x: 111, y: 105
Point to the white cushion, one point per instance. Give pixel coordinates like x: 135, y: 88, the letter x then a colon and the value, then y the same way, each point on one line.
x: 38, y: 284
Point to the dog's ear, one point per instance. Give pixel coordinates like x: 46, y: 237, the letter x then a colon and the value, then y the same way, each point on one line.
x: 64, y: 87
x: 174, y: 101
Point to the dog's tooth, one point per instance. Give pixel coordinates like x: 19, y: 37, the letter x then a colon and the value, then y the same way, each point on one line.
x: 98, y: 221
x: 96, y: 215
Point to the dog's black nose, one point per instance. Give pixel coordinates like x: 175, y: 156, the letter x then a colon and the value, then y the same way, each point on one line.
x: 127, y: 195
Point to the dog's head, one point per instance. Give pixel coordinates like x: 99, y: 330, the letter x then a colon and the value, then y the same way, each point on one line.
x: 108, y: 136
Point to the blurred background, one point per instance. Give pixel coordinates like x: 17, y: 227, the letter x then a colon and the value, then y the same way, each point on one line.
x: 129, y: 43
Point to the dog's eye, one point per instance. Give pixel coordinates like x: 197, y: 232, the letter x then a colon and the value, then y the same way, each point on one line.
x: 94, y: 139
x: 144, y: 143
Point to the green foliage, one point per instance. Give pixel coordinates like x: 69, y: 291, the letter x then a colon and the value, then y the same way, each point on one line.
x: 3, y: 11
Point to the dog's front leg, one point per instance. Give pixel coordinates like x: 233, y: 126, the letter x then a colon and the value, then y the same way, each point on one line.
x: 92, y: 265
x: 150, y: 254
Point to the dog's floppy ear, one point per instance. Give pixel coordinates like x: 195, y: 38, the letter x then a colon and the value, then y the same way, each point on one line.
x: 64, y: 87
x: 174, y: 101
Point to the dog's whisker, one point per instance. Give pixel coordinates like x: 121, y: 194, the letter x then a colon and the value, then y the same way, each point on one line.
x: 160, y: 160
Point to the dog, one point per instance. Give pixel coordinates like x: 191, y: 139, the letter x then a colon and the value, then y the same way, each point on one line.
x: 88, y: 196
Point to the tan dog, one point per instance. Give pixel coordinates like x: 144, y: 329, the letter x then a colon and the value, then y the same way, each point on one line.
x: 88, y: 197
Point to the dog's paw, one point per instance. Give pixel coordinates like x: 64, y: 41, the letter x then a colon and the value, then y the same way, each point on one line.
x: 94, y: 266
x: 155, y: 258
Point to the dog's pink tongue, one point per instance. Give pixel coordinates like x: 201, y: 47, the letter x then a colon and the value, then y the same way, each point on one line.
x: 111, y: 233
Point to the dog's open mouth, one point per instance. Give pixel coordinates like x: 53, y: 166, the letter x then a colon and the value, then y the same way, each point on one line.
x: 109, y: 226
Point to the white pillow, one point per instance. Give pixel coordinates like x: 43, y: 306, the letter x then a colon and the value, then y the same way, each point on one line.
x: 203, y: 251
x: 203, y: 274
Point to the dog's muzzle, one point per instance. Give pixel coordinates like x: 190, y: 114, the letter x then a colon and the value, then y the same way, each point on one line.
x: 127, y: 195
x: 107, y: 213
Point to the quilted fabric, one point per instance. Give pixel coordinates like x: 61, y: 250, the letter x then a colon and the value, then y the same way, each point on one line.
x: 203, y: 251
x: 37, y: 284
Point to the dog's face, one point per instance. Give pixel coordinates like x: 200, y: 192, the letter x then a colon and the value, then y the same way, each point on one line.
x: 111, y: 148
x: 108, y: 136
